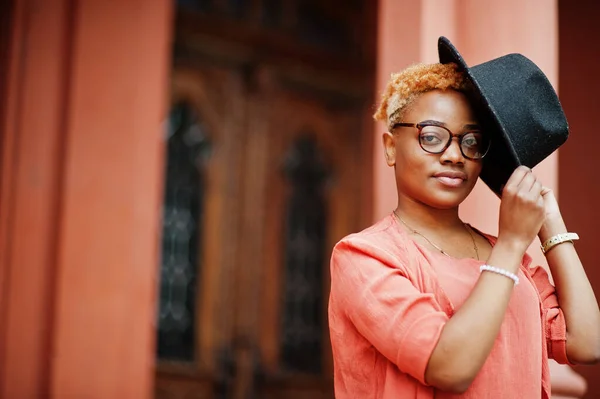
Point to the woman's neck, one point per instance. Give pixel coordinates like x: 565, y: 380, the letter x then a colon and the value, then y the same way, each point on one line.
x: 420, y: 216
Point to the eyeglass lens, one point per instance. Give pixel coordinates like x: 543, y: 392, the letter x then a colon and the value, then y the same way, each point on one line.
x: 435, y: 139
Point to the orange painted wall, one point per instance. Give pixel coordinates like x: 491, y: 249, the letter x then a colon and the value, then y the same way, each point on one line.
x: 579, y: 63
x: 81, y: 128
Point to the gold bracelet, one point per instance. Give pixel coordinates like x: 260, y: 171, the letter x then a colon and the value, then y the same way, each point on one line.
x: 558, y: 239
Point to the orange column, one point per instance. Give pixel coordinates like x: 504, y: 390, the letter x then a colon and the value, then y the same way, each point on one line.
x: 82, y: 156
x: 407, y: 33
x: 398, y: 46
x: 32, y: 131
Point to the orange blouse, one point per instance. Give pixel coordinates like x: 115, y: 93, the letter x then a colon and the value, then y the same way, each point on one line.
x: 390, y: 299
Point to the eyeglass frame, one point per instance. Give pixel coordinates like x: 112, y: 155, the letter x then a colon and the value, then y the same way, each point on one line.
x: 419, y: 126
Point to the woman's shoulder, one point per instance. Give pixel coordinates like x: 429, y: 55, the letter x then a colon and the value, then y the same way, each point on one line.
x: 380, y: 239
x: 384, y: 228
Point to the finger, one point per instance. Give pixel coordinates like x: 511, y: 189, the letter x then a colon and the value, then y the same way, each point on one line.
x: 536, y: 189
x: 527, y: 182
x: 517, y: 176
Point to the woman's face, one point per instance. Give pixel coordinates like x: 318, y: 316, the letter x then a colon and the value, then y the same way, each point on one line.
x: 442, y: 180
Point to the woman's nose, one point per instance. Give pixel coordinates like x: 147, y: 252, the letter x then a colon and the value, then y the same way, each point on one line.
x: 453, y: 153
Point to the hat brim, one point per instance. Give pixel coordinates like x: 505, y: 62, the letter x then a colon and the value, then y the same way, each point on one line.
x: 502, y: 159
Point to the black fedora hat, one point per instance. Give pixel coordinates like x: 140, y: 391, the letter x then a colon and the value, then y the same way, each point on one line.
x: 518, y: 105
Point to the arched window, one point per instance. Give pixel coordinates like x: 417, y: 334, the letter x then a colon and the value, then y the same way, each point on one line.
x: 187, y: 151
x: 305, y: 239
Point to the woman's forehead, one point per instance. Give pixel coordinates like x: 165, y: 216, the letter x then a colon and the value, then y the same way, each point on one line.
x: 446, y: 106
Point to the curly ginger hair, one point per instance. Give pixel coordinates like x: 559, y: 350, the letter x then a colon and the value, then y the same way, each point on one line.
x: 408, y: 84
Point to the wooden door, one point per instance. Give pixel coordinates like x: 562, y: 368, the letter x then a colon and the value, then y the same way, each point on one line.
x: 313, y: 196
x: 268, y: 165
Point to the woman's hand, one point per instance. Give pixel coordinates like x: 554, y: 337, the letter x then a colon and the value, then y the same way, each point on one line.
x: 523, y: 209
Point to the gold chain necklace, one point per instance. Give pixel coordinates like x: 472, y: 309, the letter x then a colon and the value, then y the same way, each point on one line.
x: 435, y: 246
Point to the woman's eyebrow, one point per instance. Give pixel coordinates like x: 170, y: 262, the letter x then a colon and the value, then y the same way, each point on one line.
x: 433, y: 122
x: 473, y: 126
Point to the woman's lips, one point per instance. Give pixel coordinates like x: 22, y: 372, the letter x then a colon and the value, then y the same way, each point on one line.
x: 450, y: 181
x: 451, y: 178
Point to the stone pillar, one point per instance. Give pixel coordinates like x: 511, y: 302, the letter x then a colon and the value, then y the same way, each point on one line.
x: 82, y: 157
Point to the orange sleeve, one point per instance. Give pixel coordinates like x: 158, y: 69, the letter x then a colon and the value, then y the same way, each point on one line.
x: 553, y: 318
x: 371, y: 287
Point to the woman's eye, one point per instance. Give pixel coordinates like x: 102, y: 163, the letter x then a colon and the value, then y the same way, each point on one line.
x: 471, y: 140
x: 430, y: 139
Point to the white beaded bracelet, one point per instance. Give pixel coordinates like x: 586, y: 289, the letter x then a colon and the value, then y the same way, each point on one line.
x: 503, y: 272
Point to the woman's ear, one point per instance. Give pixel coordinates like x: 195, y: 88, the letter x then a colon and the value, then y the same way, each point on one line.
x: 389, y: 149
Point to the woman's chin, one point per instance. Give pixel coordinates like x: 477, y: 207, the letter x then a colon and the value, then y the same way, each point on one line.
x: 445, y: 200
x: 436, y: 197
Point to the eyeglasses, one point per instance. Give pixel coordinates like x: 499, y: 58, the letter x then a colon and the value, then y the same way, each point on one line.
x: 435, y: 139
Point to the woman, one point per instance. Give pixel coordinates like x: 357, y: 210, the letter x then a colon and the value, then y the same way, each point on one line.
x: 423, y: 305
